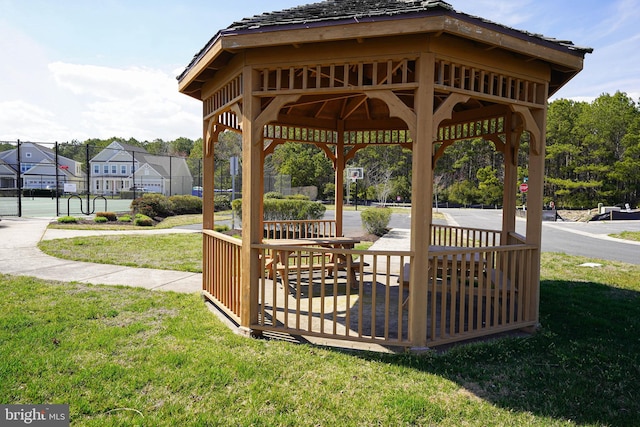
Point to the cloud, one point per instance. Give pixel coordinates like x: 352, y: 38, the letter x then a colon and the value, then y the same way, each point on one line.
x: 101, y: 102
x: 28, y: 122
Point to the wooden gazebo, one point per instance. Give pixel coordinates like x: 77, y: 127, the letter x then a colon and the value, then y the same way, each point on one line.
x: 345, y: 74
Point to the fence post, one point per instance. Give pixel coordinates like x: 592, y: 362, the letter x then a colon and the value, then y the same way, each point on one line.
x: 57, y: 183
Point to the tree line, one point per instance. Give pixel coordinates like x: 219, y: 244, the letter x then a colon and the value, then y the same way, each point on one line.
x: 593, y: 156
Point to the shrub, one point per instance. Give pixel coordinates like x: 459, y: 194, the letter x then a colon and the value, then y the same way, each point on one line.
x: 298, y: 197
x: 100, y: 219
x: 290, y: 209
x: 376, y: 220
x: 236, y: 205
x: 143, y: 220
x: 221, y: 228
x: 273, y: 195
x: 286, y: 209
x: 124, y: 218
x: 221, y: 203
x: 67, y: 220
x: 152, y: 205
x: 183, y: 204
x: 110, y: 216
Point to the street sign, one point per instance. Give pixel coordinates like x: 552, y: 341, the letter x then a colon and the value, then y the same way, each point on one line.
x: 524, y: 188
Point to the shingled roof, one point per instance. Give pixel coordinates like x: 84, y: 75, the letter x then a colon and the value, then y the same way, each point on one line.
x: 337, y: 10
x: 342, y: 12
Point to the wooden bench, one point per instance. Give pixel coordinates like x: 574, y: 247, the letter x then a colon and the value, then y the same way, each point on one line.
x: 493, y: 279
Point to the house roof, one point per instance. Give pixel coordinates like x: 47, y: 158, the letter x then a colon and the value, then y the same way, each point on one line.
x: 346, y: 12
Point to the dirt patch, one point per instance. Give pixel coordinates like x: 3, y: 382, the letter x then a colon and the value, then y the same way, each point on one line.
x: 582, y: 215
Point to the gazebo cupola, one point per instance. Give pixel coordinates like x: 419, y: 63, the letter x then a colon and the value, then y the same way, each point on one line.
x: 344, y: 74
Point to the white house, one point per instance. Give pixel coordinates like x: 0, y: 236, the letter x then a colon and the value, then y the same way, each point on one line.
x: 121, y: 166
x: 38, y: 168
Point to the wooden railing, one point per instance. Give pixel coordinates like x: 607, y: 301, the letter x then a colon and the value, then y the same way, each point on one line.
x: 221, y: 271
x: 299, y: 229
x: 360, y: 298
x: 447, y: 235
x: 478, y: 291
x: 474, y: 288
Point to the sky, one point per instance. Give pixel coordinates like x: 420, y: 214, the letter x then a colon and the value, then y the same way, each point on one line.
x: 79, y: 69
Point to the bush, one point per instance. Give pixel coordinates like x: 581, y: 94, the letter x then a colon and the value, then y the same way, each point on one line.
x: 152, y: 205
x: 221, y: 203
x: 143, y: 220
x: 67, y: 220
x: 298, y: 197
x: 289, y: 209
x: 181, y: 205
x: 124, y: 218
x: 376, y: 220
x: 273, y: 195
x: 100, y: 219
x: 221, y: 228
x: 286, y: 209
x: 110, y: 216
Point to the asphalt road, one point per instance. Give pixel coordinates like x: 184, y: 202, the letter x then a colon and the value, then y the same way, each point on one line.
x: 589, y: 239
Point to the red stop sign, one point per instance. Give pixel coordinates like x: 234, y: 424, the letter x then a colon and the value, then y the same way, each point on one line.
x: 524, y: 188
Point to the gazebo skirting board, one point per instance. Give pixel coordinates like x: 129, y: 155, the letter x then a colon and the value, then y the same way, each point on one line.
x: 476, y: 287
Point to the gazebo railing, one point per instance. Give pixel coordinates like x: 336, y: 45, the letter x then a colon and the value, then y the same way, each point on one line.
x: 463, y: 237
x: 473, y: 292
x: 221, y: 271
x: 299, y: 229
x: 365, y: 295
x: 359, y: 298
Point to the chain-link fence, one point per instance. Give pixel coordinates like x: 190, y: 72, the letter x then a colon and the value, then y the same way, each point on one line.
x: 82, y: 177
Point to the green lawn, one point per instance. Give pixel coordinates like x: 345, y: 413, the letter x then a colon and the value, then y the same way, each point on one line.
x: 180, y: 252
x: 628, y: 235
x: 127, y: 356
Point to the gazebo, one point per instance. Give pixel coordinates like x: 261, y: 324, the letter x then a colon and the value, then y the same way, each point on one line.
x: 346, y: 74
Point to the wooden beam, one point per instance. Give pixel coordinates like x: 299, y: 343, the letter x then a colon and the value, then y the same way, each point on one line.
x: 445, y: 110
x: 531, y: 125
x: 397, y: 108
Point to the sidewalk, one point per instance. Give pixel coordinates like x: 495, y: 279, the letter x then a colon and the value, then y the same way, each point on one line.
x: 19, y: 255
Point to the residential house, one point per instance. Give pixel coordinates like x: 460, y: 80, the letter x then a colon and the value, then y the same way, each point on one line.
x: 121, y: 167
x: 38, y: 169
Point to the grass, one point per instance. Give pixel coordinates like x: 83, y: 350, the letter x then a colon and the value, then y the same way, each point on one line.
x: 628, y: 235
x: 176, y: 251
x: 126, y: 356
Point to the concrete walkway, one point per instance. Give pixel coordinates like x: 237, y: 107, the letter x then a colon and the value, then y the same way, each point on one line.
x: 19, y: 255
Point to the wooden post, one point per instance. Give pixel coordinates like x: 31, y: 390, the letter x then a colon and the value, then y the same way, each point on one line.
x: 534, y: 208
x: 421, y: 200
x: 339, y: 178
x: 512, y: 143
x: 210, y: 137
x: 252, y: 194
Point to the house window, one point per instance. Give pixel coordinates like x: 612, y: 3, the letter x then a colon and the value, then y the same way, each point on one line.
x: 28, y: 155
x: 123, y: 169
x: 105, y: 169
x: 114, y: 169
x: 97, y: 185
x: 96, y: 168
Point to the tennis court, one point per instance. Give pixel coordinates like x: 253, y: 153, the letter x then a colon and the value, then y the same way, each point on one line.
x: 75, y: 206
